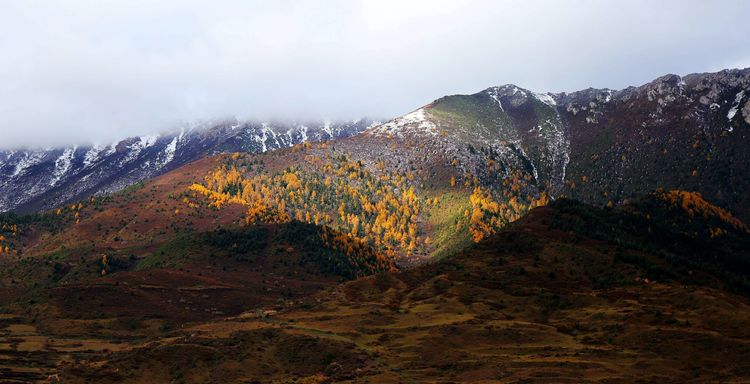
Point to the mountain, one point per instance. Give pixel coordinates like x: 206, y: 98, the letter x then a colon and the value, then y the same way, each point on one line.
x: 506, y: 235
x: 462, y: 167
x: 600, y: 145
x: 596, y: 145
x: 32, y: 180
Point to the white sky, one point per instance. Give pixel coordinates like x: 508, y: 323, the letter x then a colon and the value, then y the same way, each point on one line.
x: 81, y: 71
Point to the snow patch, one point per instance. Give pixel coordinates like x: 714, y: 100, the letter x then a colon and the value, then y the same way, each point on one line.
x: 493, y: 92
x: 62, y: 165
x: 142, y: 143
x: 149, y: 140
x: 415, y: 122
x: 327, y: 128
x: 27, y: 162
x: 374, y: 124
x: 546, y: 98
x: 96, y: 153
x: 264, y: 130
x: 735, y: 106
x: 170, y: 150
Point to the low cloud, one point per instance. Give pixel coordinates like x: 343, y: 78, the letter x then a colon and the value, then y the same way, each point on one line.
x: 96, y: 71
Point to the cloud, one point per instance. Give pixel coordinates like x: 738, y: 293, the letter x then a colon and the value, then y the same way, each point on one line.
x: 81, y: 71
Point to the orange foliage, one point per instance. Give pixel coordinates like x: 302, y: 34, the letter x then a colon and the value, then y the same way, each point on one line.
x: 694, y: 204
x: 489, y: 215
x: 381, y: 210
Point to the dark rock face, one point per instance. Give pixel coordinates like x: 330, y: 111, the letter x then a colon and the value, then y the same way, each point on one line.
x: 32, y: 180
x: 685, y: 133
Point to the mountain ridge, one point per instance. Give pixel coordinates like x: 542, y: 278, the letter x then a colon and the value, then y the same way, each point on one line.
x: 603, y: 137
x: 38, y: 179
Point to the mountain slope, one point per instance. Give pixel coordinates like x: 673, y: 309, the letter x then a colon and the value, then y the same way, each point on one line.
x: 32, y: 180
x: 463, y: 166
x: 99, y: 274
x: 690, y: 133
x: 599, y: 145
x: 534, y: 303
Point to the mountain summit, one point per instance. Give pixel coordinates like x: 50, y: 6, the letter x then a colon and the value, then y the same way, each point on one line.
x: 601, y: 145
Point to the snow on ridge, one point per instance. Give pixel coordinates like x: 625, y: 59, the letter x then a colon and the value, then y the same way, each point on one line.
x: 373, y: 124
x: 546, y: 98
x: 97, y: 152
x: 516, y: 95
x: 62, y: 165
x: 28, y: 161
x: 493, y: 94
x: 517, y: 144
x: 735, y: 105
x: 91, y: 156
x: 5, y: 155
x: 327, y: 128
x: 142, y: 143
x: 264, y: 129
x: 413, y: 122
x: 509, y: 87
x: 170, y: 150
x: 148, y: 140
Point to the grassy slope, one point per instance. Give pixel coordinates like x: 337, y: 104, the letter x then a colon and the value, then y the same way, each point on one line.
x: 166, y: 266
x: 533, y: 304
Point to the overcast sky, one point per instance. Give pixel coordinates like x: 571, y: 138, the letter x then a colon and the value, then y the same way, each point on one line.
x: 83, y: 71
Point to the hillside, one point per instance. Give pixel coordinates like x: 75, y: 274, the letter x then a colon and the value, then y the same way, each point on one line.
x: 596, y: 145
x: 534, y: 303
x: 111, y: 273
x: 473, y: 163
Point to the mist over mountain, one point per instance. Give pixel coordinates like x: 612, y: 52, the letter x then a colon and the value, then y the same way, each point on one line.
x: 32, y: 180
x: 515, y: 191
x: 77, y: 72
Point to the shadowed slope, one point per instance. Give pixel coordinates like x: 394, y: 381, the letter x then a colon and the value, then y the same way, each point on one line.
x: 534, y: 303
